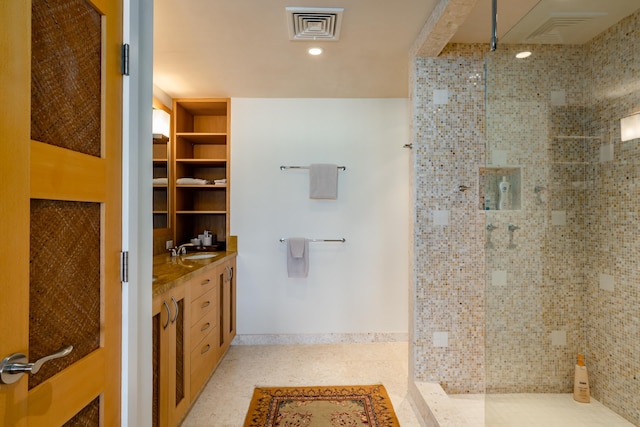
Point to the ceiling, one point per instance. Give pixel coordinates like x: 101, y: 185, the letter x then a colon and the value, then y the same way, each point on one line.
x: 241, y: 48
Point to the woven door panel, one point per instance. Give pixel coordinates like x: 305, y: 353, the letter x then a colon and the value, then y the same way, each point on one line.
x: 64, y: 295
x: 89, y: 416
x: 65, y: 75
x: 180, y: 377
x: 155, y: 404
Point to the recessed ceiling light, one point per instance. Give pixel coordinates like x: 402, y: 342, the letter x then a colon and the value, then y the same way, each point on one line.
x: 522, y: 55
x: 315, y: 51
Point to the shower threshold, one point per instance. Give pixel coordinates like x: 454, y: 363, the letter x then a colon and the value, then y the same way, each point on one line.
x: 438, y: 409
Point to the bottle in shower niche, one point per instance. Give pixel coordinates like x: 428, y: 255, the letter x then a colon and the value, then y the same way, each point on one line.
x: 504, y: 201
x: 581, y: 382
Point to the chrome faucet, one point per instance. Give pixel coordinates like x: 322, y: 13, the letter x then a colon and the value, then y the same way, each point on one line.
x: 181, y: 250
x: 489, y: 243
x: 512, y: 228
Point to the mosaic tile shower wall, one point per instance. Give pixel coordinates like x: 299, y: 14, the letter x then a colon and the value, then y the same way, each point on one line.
x: 448, y: 230
x: 566, y: 279
x: 613, y: 217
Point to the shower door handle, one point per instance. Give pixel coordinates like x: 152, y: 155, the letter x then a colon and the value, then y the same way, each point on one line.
x: 14, y: 366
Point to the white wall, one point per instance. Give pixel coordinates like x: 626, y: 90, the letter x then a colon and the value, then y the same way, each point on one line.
x: 137, y: 234
x: 357, y: 287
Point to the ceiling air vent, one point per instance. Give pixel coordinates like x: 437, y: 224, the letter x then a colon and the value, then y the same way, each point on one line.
x: 559, y: 25
x: 310, y: 23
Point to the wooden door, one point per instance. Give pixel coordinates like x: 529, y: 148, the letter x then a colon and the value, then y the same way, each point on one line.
x: 60, y: 209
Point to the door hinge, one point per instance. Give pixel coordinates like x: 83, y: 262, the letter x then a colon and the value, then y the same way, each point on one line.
x: 125, y: 59
x: 124, y: 266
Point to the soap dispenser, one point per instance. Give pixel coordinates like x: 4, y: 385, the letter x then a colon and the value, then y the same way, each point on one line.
x: 504, y: 202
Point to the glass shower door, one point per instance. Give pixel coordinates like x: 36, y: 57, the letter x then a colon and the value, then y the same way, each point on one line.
x: 533, y: 189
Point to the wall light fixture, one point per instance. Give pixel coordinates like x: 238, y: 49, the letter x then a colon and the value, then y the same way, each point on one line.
x: 630, y: 127
x: 160, y: 126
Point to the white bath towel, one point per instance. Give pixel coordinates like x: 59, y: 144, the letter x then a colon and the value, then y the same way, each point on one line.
x: 192, y: 181
x: 297, y: 257
x: 323, y: 181
x: 161, y: 181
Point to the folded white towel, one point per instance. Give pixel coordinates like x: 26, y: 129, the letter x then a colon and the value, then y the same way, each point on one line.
x: 192, y: 181
x: 220, y: 181
x: 161, y: 181
x: 323, y: 181
x: 297, y: 257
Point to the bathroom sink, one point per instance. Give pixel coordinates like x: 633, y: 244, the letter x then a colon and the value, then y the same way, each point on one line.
x: 206, y: 255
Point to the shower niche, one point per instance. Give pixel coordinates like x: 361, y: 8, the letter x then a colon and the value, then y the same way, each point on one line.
x: 500, y: 188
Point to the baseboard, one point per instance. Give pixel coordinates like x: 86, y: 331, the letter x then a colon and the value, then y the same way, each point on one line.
x: 285, y: 339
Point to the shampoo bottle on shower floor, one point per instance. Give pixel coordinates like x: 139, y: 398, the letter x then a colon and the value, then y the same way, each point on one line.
x: 581, y: 382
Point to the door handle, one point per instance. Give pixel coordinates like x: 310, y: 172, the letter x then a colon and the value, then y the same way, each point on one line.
x: 14, y: 366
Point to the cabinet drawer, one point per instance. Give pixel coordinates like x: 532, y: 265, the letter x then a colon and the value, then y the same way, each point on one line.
x: 203, y: 305
x: 204, y: 283
x: 203, y: 327
x: 203, y: 359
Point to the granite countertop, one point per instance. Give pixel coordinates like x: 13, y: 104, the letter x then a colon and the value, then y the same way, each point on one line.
x: 171, y: 271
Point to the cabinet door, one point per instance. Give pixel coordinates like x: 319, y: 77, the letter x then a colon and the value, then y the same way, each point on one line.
x: 179, y: 355
x: 170, y: 358
x: 229, y: 304
x: 160, y: 322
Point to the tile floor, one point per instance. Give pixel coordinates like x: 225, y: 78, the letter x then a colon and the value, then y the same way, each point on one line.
x: 225, y: 399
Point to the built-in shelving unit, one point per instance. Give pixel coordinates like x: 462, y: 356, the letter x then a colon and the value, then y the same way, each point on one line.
x: 160, y: 191
x: 201, y: 151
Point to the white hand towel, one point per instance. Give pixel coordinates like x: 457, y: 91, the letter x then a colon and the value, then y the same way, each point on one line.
x: 161, y: 181
x: 323, y: 181
x: 297, y: 257
x: 192, y: 181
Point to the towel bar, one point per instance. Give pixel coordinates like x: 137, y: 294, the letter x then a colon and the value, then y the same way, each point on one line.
x: 306, y: 167
x: 321, y: 240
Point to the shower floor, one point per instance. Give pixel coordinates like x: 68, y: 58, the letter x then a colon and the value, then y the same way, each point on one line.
x: 514, y: 410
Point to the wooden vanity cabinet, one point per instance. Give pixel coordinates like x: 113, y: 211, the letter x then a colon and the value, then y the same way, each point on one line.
x: 171, y: 396
x: 193, y: 326
x: 205, y: 326
x: 213, y: 320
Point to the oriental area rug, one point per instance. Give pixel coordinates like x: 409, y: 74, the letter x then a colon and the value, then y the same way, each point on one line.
x: 321, y: 406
